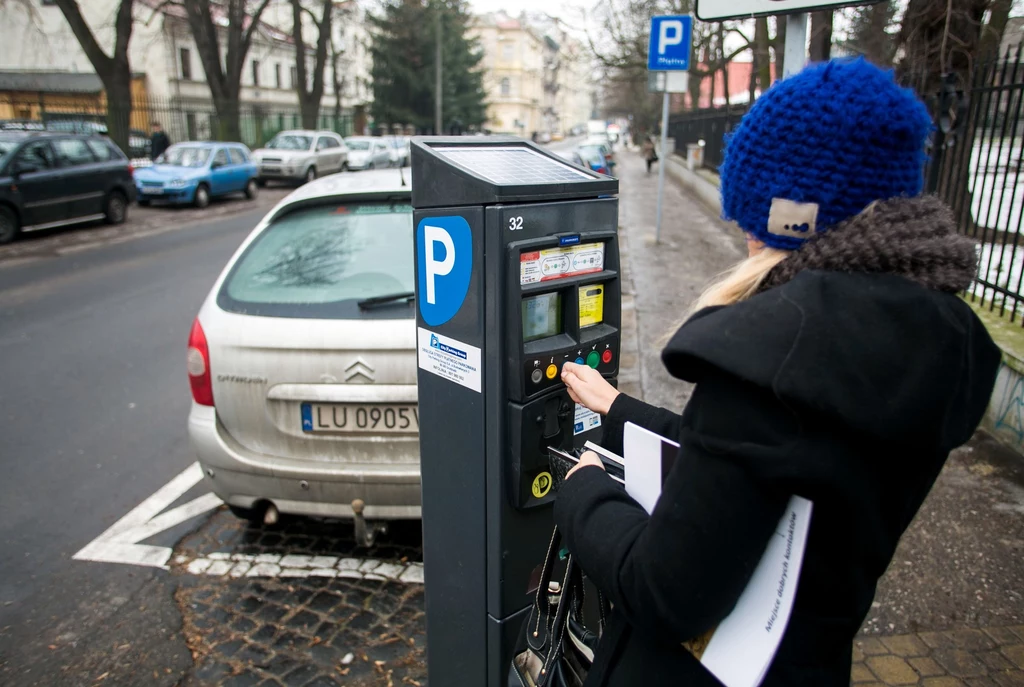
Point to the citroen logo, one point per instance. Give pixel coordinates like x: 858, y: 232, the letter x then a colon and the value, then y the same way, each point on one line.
x: 359, y: 368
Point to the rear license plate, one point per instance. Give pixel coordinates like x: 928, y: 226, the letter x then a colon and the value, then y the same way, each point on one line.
x: 272, y: 170
x: 360, y: 418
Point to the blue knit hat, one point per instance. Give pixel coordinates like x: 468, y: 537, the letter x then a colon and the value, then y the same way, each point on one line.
x: 821, y: 146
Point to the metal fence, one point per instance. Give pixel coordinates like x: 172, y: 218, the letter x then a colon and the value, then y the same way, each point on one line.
x: 181, y: 120
x: 976, y: 168
x: 710, y: 126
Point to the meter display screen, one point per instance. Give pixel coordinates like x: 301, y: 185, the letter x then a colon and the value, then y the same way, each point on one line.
x: 542, y: 316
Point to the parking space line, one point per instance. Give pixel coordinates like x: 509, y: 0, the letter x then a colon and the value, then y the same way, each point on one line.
x: 120, y: 542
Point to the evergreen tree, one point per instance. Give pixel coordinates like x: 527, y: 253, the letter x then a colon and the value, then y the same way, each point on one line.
x: 404, y: 50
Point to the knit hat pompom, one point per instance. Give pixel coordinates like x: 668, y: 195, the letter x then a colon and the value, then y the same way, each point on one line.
x: 821, y: 146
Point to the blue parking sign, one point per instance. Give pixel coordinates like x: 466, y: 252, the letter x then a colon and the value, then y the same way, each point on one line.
x: 671, y: 40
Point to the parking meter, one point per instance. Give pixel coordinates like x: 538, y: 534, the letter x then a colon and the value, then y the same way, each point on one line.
x: 517, y: 265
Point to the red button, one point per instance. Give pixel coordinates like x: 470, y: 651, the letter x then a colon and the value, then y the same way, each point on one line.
x: 606, y: 356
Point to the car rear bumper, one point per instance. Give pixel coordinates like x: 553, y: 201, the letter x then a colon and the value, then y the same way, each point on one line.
x: 242, y: 478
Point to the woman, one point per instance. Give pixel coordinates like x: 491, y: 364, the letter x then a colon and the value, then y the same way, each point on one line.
x: 836, y: 363
x: 649, y: 153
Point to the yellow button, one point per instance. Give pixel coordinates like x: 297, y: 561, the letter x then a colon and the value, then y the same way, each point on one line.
x: 552, y: 371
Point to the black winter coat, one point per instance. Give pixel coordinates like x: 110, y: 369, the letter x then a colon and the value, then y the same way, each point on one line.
x: 847, y: 389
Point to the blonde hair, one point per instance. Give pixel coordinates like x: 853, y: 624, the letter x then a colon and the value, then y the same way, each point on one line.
x: 742, y: 281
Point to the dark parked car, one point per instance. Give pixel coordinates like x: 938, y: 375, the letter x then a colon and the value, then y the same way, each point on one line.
x: 49, y: 180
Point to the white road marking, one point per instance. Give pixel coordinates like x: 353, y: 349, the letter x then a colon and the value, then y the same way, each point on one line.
x: 221, y: 564
x: 120, y: 544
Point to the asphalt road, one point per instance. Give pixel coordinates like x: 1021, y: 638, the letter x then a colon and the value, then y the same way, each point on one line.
x: 93, y: 408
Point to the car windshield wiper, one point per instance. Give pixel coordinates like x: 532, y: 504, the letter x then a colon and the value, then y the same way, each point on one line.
x: 390, y: 298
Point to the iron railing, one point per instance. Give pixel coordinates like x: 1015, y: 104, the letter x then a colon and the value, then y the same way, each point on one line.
x: 975, y: 166
x: 182, y: 121
x: 710, y: 126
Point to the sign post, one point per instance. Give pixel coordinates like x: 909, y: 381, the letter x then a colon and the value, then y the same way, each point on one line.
x: 668, y: 51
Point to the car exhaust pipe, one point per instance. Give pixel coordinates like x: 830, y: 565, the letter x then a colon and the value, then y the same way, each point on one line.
x: 366, y: 532
x: 270, y: 516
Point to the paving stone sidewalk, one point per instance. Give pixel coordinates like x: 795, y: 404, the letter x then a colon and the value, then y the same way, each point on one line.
x: 990, y: 657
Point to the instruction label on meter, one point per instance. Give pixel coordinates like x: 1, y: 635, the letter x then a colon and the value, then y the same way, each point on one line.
x: 450, y: 359
x: 585, y: 420
x: 591, y: 305
x: 559, y: 263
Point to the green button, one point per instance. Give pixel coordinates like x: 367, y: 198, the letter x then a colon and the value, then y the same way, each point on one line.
x: 594, y: 359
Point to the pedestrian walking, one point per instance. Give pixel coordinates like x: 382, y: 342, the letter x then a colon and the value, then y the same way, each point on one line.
x: 158, y: 142
x: 835, y: 363
x: 649, y: 151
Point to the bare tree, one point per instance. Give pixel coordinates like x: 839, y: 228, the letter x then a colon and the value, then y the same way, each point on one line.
x: 224, y: 77
x: 311, y: 91
x: 114, y: 70
x: 871, y: 32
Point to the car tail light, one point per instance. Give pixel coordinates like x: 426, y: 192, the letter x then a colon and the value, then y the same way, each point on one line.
x: 199, y: 376
x: 131, y: 169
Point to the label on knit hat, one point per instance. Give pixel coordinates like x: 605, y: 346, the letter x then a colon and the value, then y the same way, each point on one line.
x: 792, y: 219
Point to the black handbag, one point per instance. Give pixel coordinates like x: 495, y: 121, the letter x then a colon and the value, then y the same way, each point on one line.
x: 555, y: 647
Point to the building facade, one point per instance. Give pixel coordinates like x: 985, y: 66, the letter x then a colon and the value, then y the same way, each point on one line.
x: 170, y: 84
x: 537, y: 77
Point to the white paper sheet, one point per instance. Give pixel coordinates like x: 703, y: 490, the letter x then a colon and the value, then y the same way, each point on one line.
x: 641, y: 450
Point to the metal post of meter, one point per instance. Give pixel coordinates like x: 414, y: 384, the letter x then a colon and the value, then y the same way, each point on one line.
x: 796, y: 43
x: 664, y: 159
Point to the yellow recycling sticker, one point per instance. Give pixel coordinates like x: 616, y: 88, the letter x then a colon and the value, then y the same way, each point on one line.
x: 591, y: 305
x: 541, y: 485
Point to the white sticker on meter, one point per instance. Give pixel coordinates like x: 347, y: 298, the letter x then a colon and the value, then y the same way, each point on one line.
x: 586, y: 420
x: 449, y: 359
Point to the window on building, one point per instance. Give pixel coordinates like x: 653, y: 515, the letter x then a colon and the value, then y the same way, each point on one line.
x: 277, y: 75
x: 295, y: 77
x: 508, y: 51
x: 255, y: 72
x: 185, y: 55
x: 506, y: 86
x: 190, y: 125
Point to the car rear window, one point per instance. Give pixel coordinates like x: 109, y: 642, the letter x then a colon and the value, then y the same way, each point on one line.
x: 321, y: 262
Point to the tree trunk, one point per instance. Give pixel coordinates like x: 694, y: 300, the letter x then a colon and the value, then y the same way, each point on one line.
x: 878, y: 49
x: 311, y: 91
x: 224, y: 77
x: 752, y: 86
x: 992, y: 34
x: 762, y: 56
x: 724, y: 62
x: 779, y: 46
x: 114, y: 70
x: 821, y: 36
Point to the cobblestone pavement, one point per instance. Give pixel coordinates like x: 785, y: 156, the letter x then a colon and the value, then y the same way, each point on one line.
x: 341, y: 616
x: 992, y: 657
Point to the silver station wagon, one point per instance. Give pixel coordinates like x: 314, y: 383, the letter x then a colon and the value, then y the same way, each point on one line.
x: 302, y: 360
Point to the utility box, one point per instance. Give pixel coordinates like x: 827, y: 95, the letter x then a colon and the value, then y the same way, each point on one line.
x: 517, y: 261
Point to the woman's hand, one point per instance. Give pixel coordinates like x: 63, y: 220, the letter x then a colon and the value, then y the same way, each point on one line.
x: 588, y: 458
x: 588, y: 388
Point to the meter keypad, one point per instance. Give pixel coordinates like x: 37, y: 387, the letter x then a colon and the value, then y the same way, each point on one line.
x: 544, y: 372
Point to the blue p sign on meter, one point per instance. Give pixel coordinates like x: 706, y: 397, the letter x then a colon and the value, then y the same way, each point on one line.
x: 444, y: 273
x: 671, y: 39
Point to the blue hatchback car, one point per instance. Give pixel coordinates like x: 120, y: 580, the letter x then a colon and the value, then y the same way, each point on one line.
x: 195, y: 172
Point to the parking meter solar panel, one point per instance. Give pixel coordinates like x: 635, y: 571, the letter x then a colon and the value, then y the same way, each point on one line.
x: 464, y: 171
x: 513, y: 165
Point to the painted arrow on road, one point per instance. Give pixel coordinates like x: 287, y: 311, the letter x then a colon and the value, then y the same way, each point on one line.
x: 120, y: 543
